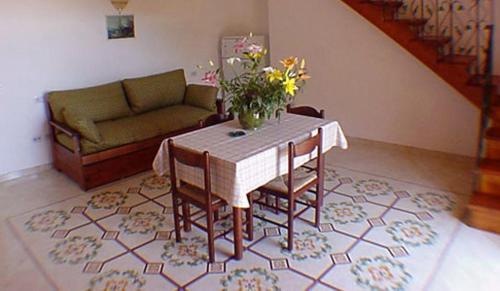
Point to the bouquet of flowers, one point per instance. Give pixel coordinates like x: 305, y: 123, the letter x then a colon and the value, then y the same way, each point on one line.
x: 258, y: 93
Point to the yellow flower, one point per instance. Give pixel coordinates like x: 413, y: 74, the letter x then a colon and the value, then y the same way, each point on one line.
x: 303, y: 64
x: 290, y: 62
x: 290, y: 86
x: 275, y: 75
x: 255, y: 56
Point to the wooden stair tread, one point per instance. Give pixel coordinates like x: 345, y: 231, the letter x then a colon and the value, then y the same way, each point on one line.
x: 484, y: 200
x: 490, y: 166
x: 435, y: 40
x: 459, y: 59
x: 384, y: 3
x: 477, y: 80
x: 413, y: 21
x: 493, y: 133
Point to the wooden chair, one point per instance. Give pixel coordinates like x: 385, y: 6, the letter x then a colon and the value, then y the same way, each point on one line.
x: 290, y: 187
x: 184, y: 194
x: 215, y: 119
x: 306, y: 110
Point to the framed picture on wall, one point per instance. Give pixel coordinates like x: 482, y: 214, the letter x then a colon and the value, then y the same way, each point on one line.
x: 120, y: 26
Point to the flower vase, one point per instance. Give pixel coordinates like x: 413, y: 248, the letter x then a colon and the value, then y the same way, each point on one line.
x: 250, y: 120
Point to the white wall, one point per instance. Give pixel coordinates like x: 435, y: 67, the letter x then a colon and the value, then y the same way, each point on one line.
x: 62, y: 44
x: 365, y: 80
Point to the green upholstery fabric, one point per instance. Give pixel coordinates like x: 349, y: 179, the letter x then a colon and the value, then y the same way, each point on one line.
x: 99, y: 103
x: 140, y: 127
x: 201, y: 96
x: 87, y: 147
x: 157, y: 91
x: 85, y: 126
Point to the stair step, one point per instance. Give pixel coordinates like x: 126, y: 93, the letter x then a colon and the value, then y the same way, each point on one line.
x: 490, y: 166
x: 493, y: 133
x: 394, y: 4
x: 477, y: 80
x: 459, y: 59
x: 436, y: 40
x: 413, y: 21
x: 493, y: 149
x: 495, y: 112
x: 493, y: 143
x: 483, y: 212
x: 489, y: 179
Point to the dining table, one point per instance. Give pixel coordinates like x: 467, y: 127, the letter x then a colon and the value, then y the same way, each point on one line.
x: 240, y: 164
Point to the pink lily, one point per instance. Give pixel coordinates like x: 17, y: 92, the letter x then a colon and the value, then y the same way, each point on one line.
x: 210, y: 78
x: 240, y: 45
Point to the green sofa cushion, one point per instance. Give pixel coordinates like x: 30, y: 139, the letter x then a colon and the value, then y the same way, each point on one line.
x: 86, y: 146
x: 201, y: 96
x: 157, y: 91
x: 140, y: 127
x: 84, y: 125
x: 99, y: 103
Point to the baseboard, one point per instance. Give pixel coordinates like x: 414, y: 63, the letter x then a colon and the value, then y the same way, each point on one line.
x: 25, y: 172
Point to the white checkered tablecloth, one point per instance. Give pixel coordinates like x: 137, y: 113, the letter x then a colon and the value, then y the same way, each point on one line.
x: 239, y: 165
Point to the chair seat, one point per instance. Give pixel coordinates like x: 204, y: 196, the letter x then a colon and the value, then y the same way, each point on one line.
x: 301, y: 179
x: 198, y: 196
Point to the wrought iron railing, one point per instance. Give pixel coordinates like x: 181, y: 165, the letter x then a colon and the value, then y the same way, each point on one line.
x: 461, y: 24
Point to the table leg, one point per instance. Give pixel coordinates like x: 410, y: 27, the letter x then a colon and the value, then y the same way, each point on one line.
x: 238, y: 233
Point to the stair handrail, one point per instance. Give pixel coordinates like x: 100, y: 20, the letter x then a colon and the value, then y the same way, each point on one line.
x: 487, y: 80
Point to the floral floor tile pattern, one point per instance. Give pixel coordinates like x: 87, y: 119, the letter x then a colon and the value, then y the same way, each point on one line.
x: 375, y: 234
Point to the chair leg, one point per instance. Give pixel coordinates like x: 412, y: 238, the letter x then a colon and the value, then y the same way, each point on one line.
x: 290, y: 223
x: 176, y: 218
x: 216, y: 215
x: 276, y: 204
x: 249, y: 214
x: 319, y: 202
x: 186, y: 215
x: 210, y: 231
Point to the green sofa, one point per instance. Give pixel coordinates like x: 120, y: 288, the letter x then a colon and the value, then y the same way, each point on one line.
x: 112, y: 131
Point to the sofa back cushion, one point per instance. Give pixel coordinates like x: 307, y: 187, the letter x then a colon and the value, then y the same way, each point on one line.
x: 201, y: 96
x: 98, y: 103
x: 156, y: 91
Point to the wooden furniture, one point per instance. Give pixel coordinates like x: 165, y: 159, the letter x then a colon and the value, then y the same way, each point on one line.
x: 292, y: 187
x: 100, y: 168
x: 215, y: 119
x: 245, y: 163
x: 184, y: 194
x: 306, y: 111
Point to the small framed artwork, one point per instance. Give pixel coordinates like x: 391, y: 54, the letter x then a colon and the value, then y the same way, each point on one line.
x: 120, y: 26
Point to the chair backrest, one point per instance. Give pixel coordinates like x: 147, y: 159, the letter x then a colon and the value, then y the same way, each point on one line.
x: 306, y: 110
x: 306, y: 147
x: 215, y: 119
x: 191, y: 159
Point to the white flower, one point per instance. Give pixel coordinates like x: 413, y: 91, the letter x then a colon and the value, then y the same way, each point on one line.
x: 232, y: 60
x: 254, y: 48
x: 268, y: 69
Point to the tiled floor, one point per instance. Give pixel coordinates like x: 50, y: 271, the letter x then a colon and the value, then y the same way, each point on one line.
x: 384, y: 188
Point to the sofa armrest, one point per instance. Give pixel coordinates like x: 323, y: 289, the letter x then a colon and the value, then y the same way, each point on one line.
x: 75, y: 136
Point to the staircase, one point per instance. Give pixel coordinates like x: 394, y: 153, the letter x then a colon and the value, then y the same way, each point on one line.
x: 455, y: 40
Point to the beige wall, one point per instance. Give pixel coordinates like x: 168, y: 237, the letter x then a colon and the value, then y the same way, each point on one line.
x: 366, y: 81
x: 61, y: 44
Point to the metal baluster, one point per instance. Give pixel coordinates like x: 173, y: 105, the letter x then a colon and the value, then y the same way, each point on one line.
x: 478, y: 37
x: 436, y: 3
x: 452, y: 10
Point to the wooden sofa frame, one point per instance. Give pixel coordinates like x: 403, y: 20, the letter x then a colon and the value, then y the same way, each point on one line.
x: 100, y: 168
